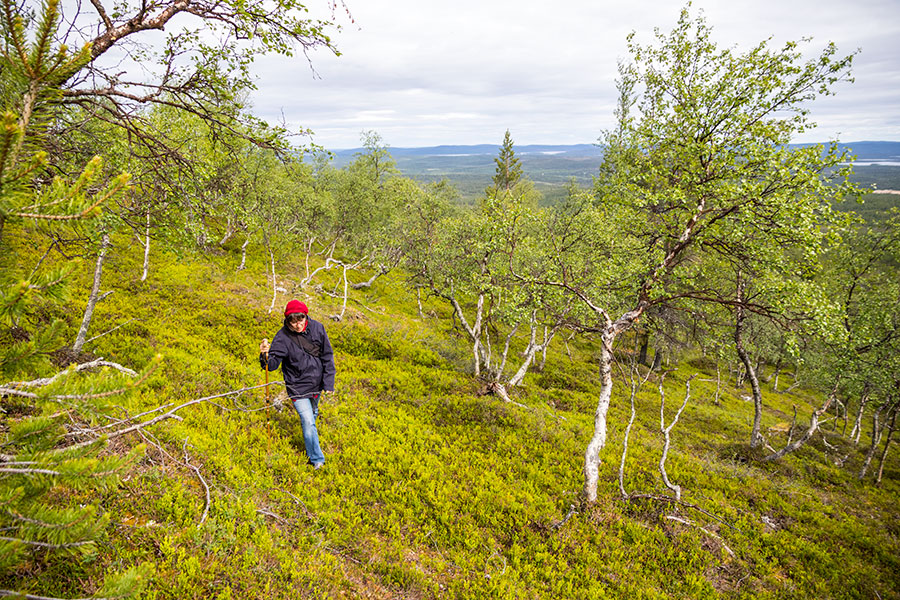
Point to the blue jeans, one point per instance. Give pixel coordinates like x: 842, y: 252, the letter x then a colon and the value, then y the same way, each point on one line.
x: 308, y: 409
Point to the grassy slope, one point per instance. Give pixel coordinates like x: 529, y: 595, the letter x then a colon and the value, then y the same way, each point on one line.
x: 432, y: 491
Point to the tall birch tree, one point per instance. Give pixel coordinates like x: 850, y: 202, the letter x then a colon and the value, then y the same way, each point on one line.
x: 699, y: 160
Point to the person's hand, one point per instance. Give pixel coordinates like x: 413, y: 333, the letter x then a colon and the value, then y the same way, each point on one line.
x: 264, y: 347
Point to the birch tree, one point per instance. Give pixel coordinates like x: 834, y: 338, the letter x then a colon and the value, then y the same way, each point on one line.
x: 699, y: 159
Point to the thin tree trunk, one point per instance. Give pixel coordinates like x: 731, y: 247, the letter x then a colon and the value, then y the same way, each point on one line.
x: 887, y: 444
x: 657, y: 360
x: 645, y: 346
x: 877, y: 430
x: 274, y: 288
x: 344, y: 305
x: 146, y: 249
x: 635, y: 387
x: 243, y: 264
x: 309, y: 245
x: 755, y: 435
x: 367, y: 284
x: 94, y: 297
x: 773, y: 374
x: 228, y: 233
x: 499, y: 374
x: 718, y: 382
x: 857, y: 426
x: 474, y: 330
x: 419, y: 302
x: 666, y: 431
x: 540, y: 367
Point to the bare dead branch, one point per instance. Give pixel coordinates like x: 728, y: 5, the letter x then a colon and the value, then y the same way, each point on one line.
x: 82, y: 367
x: 704, y: 530
x: 195, y: 469
x: 813, y: 426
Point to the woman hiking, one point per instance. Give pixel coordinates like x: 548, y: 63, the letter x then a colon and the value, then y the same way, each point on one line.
x: 302, y: 349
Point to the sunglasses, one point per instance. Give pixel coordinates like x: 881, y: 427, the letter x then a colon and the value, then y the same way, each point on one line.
x: 297, y: 317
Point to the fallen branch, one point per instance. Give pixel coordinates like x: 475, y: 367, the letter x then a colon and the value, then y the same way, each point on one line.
x: 109, y: 331
x: 187, y: 463
x: 704, y: 530
x: 44, y: 381
x: 672, y: 500
x: 116, y: 392
x: 137, y: 427
x: 568, y: 516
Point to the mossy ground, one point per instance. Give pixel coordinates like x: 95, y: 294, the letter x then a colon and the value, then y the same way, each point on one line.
x: 431, y: 490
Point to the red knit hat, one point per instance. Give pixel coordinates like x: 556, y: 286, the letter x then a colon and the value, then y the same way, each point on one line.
x: 295, y: 306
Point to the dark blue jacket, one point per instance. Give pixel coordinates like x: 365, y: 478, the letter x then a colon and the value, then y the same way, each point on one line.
x: 304, y: 375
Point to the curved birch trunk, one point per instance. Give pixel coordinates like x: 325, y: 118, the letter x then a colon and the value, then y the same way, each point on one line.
x: 94, y: 297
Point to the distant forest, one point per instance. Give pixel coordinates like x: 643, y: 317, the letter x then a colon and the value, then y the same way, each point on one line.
x: 551, y: 167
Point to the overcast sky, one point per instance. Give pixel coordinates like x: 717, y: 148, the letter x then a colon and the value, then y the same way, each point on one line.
x: 428, y: 72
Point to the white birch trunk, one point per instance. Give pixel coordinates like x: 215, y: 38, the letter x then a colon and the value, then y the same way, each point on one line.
x: 887, y: 444
x: 877, y: 430
x: 344, y: 305
x: 718, y: 382
x: 419, y: 302
x: 146, y: 249
x: 243, y: 264
x: 598, y: 440
x: 274, y: 287
x: 857, y: 426
x: 95, y: 295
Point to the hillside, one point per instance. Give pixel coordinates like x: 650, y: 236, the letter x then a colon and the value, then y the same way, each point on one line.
x: 431, y: 490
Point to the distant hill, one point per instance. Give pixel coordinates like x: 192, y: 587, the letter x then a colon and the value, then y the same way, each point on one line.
x: 470, y: 167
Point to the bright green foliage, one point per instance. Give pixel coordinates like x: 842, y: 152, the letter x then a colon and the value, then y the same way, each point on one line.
x: 701, y: 162
x: 429, y: 489
x: 861, y: 274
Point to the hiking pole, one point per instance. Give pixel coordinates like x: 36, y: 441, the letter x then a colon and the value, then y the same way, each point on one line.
x: 268, y: 423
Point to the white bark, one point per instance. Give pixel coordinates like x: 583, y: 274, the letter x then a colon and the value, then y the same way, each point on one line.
x: 243, y: 264
x: 344, y: 305
x: 887, y: 445
x: 813, y: 426
x: 532, y: 349
x: 274, y: 285
x: 877, y: 430
x: 598, y: 440
x: 419, y: 302
x: 635, y: 387
x: 94, y: 297
x: 666, y: 431
x: 498, y: 376
x: 755, y: 434
x: 857, y: 426
x: 473, y: 330
x: 146, y: 249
